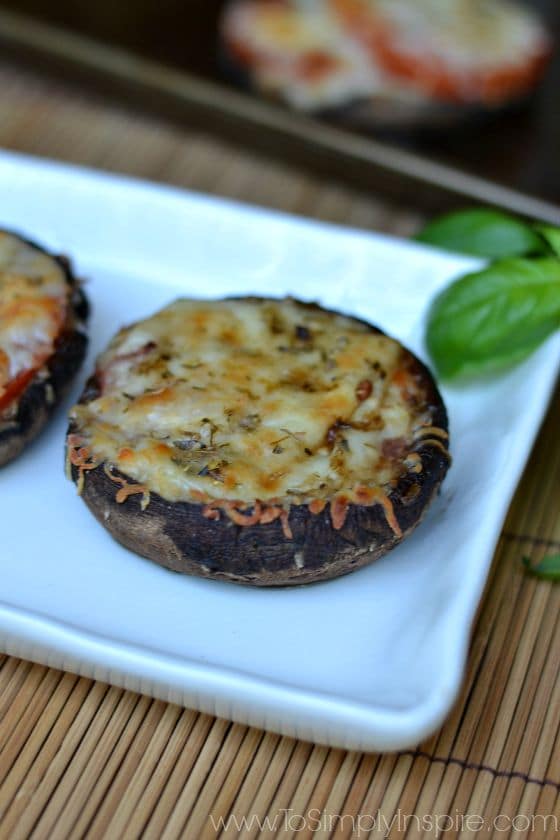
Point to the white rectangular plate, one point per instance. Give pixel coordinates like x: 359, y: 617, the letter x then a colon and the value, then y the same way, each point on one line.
x: 370, y: 661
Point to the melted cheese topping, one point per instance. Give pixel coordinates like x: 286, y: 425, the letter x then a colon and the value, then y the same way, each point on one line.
x: 33, y: 303
x: 325, y: 53
x: 248, y: 399
x: 299, y: 51
x: 464, y: 33
x: 454, y: 49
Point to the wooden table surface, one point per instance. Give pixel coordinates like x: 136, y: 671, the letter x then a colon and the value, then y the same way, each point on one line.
x: 82, y: 759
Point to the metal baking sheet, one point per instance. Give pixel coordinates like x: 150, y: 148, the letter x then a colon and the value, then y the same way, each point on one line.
x: 370, y: 163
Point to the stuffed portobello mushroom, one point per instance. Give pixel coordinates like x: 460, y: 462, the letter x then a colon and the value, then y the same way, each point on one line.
x: 386, y: 64
x: 260, y: 441
x: 42, y: 340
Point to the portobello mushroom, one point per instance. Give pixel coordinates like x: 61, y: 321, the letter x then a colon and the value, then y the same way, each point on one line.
x: 390, y: 65
x: 260, y: 441
x: 43, y: 312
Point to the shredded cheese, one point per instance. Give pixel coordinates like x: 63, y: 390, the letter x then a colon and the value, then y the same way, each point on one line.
x: 249, y: 407
x: 127, y: 489
x: 34, y: 298
x: 81, y: 458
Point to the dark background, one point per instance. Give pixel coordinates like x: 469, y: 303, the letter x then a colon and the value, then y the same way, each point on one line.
x: 520, y: 148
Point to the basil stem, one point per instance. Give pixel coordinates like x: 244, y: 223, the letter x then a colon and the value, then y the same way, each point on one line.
x: 483, y: 232
x: 495, y: 317
x: 548, y: 568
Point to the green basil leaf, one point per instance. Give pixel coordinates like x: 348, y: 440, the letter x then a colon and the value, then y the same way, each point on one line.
x: 551, y: 236
x: 548, y: 568
x: 495, y: 317
x: 482, y: 232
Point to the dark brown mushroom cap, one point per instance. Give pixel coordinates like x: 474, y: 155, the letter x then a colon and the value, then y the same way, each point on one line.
x: 37, y: 403
x: 177, y: 535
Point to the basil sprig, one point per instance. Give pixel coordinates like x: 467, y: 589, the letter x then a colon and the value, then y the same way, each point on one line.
x: 493, y: 318
x: 548, y: 568
x: 482, y: 232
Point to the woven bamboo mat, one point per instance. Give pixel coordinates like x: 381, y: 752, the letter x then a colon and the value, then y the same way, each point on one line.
x: 80, y: 758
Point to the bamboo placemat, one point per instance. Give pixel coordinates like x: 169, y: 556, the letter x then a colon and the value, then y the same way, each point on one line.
x: 80, y: 758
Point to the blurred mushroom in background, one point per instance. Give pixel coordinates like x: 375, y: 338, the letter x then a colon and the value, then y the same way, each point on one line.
x: 386, y: 63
